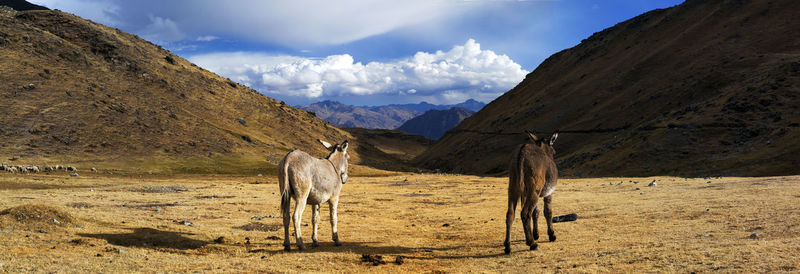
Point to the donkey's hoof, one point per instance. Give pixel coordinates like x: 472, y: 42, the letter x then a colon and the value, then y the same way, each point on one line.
x: 287, y: 248
x: 534, y: 246
x: 508, y: 250
x: 301, y: 247
x: 552, y: 237
x: 337, y: 243
x: 315, y: 244
x: 535, y: 237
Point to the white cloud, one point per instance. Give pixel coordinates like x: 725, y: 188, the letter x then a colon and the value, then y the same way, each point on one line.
x: 207, y: 38
x: 465, y: 71
x: 101, y: 11
x: 162, y: 30
x: 297, y: 24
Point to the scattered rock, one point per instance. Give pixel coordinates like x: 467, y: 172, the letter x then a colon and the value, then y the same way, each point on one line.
x: 653, y: 183
x: 255, y: 218
x: 159, y: 189
x: 373, y: 259
x: 273, y: 237
x: 445, y: 225
x: 158, y: 209
x: 259, y: 175
x: 185, y: 222
x: 120, y: 250
x: 169, y: 59
x: 242, y: 121
x: 74, y: 174
x: 56, y: 221
x: 706, y: 235
x: 428, y: 250
x: 754, y: 236
x: 565, y: 218
x: 220, y: 240
x: 708, y: 182
x: 42, y: 231
x: 399, y: 260
x: 256, y: 226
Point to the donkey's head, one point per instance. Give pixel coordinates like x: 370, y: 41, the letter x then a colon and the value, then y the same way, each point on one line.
x: 338, y: 157
x: 544, y: 143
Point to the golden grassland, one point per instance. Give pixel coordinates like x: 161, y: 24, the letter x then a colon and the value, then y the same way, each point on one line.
x: 437, y: 223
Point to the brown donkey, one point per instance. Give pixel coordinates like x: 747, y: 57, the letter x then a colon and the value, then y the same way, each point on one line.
x: 532, y: 173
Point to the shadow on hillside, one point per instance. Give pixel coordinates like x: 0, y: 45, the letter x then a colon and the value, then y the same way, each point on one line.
x: 150, y: 238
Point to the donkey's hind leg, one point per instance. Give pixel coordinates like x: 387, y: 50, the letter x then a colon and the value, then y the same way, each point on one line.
x: 298, y: 215
x: 512, y: 208
x: 548, y: 215
x: 314, y: 224
x: 536, y: 221
x: 287, y: 218
x: 525, y: 215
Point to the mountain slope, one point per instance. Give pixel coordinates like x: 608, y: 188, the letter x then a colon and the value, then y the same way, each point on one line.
x: 74, y: 90
x: 389, y: 149
x: 434, y: 123
x: 702, y: 88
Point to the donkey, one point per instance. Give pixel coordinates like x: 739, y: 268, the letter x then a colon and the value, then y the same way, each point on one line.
x: 313, y: 181
x: 532, y: 173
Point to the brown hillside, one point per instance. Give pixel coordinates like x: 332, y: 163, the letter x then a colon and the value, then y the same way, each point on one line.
x: 388, y: 149
x: 74, y: 90
x: 703, y: 88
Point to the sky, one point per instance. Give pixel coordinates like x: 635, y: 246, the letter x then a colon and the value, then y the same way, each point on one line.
x: 365, y: 52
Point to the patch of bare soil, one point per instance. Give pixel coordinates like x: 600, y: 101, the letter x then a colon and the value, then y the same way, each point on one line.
x: 256, y: 226
x: 37, y: 216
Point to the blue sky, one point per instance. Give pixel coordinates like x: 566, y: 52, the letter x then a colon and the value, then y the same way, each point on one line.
x: 365, y: 52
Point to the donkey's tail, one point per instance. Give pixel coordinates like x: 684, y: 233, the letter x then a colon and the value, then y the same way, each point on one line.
x: 286, y: 189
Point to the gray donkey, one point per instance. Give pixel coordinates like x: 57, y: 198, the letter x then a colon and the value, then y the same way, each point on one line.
x: 532, y: 173
x: 311, y: 181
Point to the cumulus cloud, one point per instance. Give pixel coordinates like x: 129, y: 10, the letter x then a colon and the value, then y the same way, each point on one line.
x: 465, y: 71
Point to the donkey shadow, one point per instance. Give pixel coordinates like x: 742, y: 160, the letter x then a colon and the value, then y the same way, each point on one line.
x: 370, y: 248
x: 150, y: 238
x: 355, y: 247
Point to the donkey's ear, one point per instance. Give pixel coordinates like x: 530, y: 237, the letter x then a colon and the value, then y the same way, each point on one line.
x: 326, y: 144
x: 532, y: 136
x: 345, y: 145
x: 553, y: 139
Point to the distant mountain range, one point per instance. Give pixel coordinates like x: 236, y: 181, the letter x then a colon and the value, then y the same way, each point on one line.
x: 434, y: 123
x: 378, y: 117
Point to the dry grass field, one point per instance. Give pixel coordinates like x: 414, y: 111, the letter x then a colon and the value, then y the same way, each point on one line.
x: 436, y: 223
